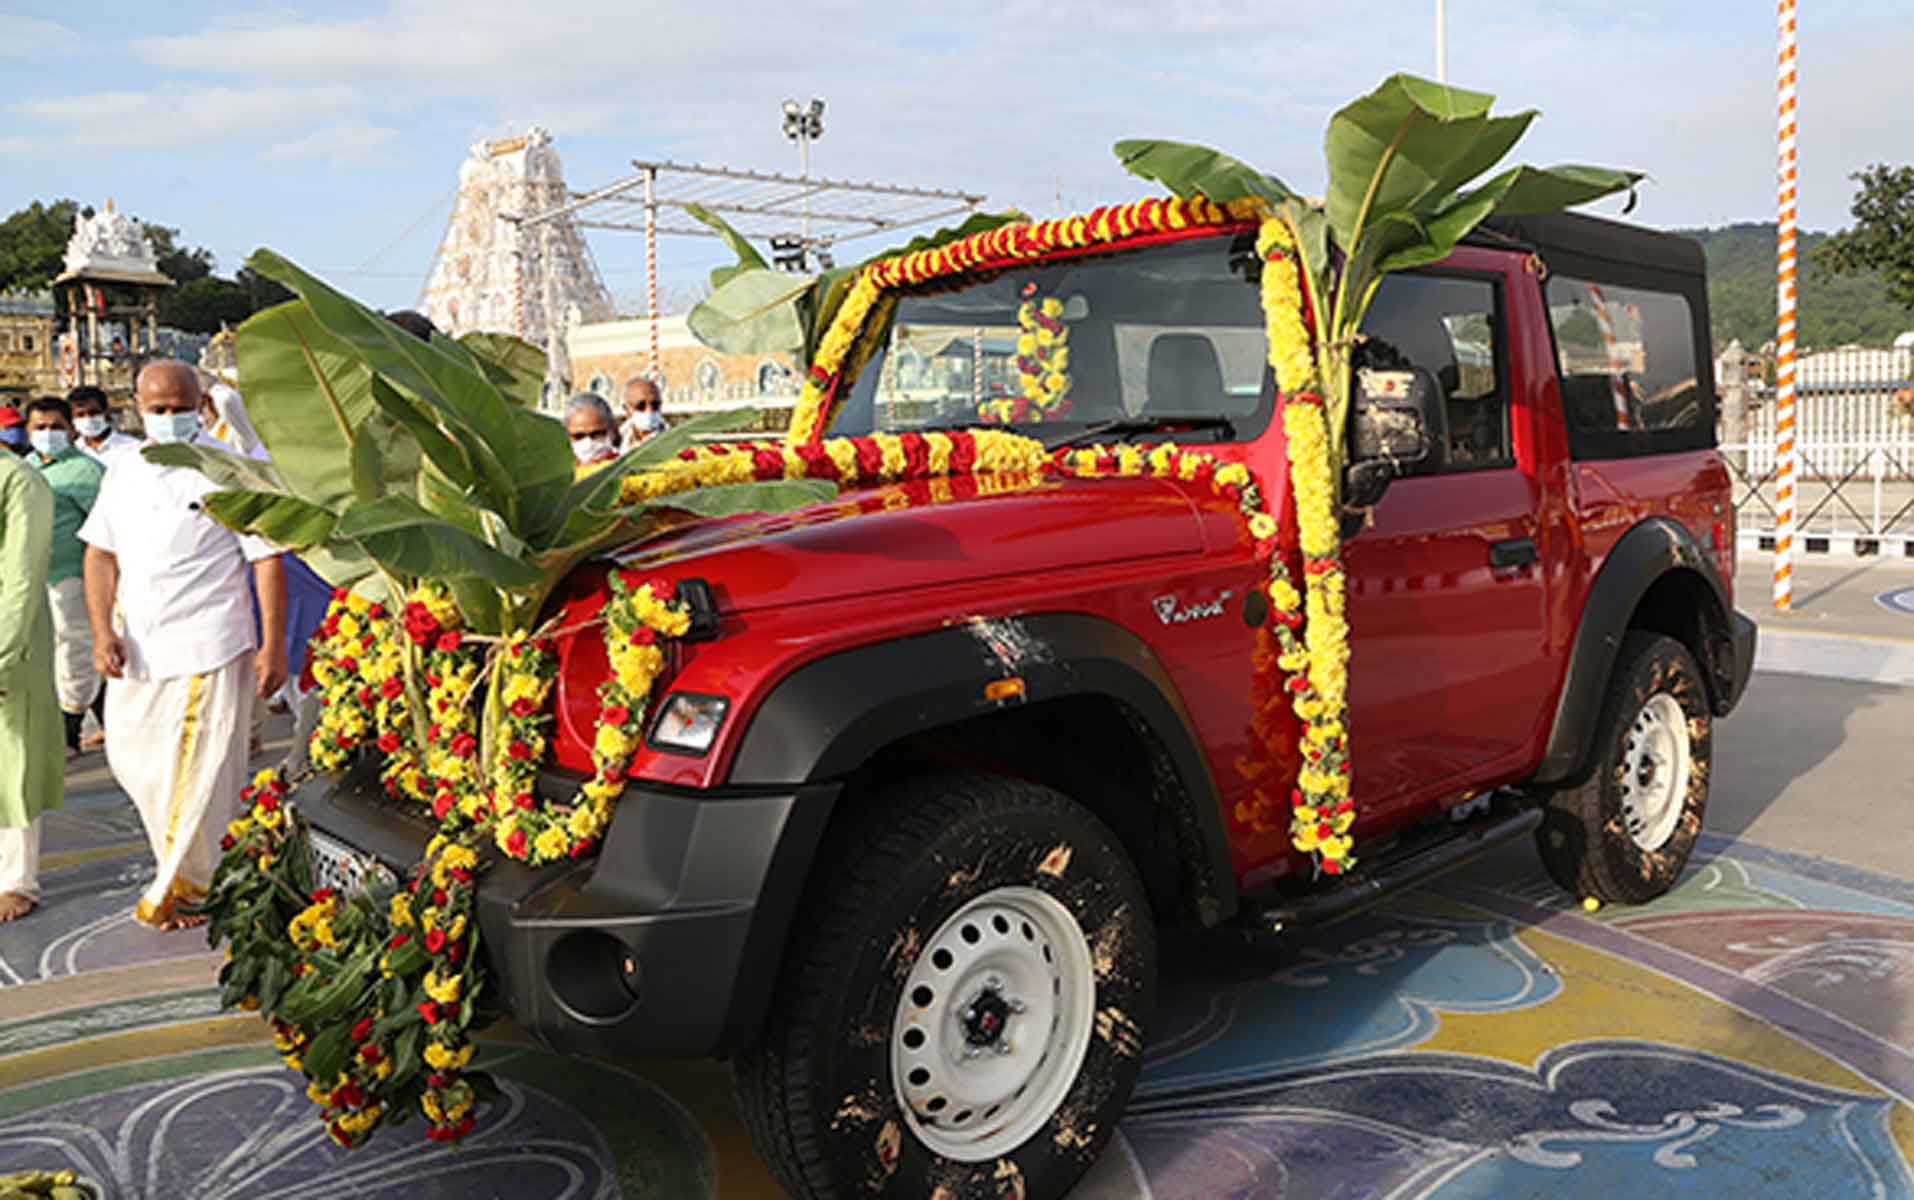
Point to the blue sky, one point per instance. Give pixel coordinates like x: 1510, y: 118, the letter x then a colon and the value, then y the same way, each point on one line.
x: 333, y: 132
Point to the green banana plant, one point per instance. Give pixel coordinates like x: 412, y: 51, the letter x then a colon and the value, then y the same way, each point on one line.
x: 1403, y: 165
x: 753, y: 309
x: 407, y: 460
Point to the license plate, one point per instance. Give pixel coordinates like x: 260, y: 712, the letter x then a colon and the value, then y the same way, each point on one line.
x: 342, y: 867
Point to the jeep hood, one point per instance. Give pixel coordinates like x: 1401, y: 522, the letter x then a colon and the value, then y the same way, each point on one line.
x: 915, y: 535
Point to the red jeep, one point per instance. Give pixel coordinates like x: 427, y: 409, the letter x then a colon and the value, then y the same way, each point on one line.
x: 942, y: 761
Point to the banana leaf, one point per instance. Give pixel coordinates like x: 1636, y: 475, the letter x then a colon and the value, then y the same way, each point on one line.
x: 748, y: 257
x: 515, y: 367
x: 1189, y: 170
x: 753, y: 312
x: 306, y: 391
x: 223, y: 467
x: 283, y: 520
x: 400, y: 533
x: 448, y: 382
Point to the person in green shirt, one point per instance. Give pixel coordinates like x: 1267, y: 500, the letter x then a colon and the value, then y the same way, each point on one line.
x: 75, y: 478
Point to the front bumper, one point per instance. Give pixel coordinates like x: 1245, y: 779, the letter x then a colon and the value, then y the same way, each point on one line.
x: 665, y: 944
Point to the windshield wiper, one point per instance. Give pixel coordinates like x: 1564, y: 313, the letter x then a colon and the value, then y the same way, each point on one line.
x: 1129, y: 425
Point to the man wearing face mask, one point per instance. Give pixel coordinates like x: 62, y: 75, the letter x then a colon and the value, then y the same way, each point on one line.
x: 75, y: 479
x: 13, y: 431
x: 646, y: 414
x: 190, y: 661
x: 588, y: 424
x: 98, y: 438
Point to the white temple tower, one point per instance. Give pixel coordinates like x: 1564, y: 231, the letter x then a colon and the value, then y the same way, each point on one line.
x: 492, y: 275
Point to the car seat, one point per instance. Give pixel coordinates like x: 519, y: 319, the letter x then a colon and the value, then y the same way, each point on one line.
x: 1185, y: 377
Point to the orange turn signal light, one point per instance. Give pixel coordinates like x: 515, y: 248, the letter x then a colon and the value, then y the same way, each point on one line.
x: 1004, y: 689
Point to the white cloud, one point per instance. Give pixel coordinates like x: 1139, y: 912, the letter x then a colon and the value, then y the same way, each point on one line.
x: 34, y: 38
x: 348, y: 143
x: 176, y: 115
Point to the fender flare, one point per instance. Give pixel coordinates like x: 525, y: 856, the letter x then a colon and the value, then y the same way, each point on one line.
x: 1642, y: 557
x: 829, y: 716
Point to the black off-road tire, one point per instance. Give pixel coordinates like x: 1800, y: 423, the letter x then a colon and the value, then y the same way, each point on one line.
x: 816, y: 1091
x: 1585, y: 838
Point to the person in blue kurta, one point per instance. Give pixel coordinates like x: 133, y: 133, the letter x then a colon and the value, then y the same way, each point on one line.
x: 75, y: 478
x: 32, y: 776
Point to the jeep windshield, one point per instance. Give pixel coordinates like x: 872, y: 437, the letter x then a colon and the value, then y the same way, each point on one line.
x: 1166, y: 337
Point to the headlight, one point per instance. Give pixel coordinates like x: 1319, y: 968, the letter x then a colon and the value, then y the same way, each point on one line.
x: 688, y: 723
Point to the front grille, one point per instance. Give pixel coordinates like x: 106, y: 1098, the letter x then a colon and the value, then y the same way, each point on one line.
x: 343, y: 868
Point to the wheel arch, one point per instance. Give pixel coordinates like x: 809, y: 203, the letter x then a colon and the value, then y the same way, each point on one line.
x: 1656, y: 578
x: 924, y: 702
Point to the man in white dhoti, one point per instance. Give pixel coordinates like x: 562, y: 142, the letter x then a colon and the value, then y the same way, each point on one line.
x: 189, y: 661
x: 31, y: 778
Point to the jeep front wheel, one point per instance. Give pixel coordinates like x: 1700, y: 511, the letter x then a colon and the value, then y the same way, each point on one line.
x: 963, y: 1001
x: 1625, y: 833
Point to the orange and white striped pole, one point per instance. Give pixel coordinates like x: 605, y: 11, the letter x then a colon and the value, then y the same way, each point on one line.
x: 1615, y: 385
x: 654, y: 366
x: 1787, y: 455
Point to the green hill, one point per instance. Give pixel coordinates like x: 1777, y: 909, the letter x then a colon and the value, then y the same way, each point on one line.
x: 1834, y: 310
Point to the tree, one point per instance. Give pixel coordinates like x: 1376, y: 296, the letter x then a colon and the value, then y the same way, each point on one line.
x: 203, y: 305
x: 33, y: 244
x: 175, y: 261
x: 1883, y: 235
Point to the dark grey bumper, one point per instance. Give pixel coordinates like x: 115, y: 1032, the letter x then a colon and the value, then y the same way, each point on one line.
x: 1745, y: 635
x: 665, y: 944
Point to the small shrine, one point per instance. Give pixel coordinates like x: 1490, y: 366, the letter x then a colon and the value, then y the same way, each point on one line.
x: 107, y: 299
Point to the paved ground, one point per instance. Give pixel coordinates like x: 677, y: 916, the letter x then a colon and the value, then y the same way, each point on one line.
x: 1747, y: 1034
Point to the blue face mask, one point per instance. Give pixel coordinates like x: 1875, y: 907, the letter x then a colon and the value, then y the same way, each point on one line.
x: 165, y: 428
x: 13, y: 435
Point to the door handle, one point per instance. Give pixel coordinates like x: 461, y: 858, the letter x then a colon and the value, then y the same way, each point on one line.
x: 1514, y: 552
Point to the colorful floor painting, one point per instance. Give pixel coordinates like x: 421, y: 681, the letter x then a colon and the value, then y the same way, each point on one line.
x: 1747, y: 1035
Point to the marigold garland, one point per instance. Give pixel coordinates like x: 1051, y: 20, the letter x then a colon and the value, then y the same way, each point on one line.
x: 1003, y: 246
x: 370, y: 999
x: 1043, y: 366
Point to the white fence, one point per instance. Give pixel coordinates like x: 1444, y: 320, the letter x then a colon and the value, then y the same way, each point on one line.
x: 1855, y: 492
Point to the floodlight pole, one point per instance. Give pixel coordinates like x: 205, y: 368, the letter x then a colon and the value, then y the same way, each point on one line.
x: 1442, y: 44
x: 803, y: 126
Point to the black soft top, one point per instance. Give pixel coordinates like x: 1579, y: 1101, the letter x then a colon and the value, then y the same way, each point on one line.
x: 1609, y: 251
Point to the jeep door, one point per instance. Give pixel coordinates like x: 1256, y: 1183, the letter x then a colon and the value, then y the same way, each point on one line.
x: 1449, y: 675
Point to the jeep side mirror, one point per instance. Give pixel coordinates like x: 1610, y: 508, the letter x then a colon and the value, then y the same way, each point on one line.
x: 1397, y: 417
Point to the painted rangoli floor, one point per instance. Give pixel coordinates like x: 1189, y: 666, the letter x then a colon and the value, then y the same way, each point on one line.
x: 1747, y: 1035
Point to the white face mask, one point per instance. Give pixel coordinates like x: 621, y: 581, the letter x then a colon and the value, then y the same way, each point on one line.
x: 650, y: 420
x: 90, y: 426
x: 590, y: 449
x: 170, y: 427
x: 49, y: 442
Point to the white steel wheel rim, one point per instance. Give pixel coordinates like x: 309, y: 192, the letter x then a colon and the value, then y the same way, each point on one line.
x: 993, y: 1024
x: 1656, y: 758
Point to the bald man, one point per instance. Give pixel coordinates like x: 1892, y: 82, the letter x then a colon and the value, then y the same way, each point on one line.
x: 186, y: 657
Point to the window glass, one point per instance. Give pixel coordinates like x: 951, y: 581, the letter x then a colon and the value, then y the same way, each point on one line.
x: 1627, y: 357
x: 1165, y: 331
x: 1447, y: 326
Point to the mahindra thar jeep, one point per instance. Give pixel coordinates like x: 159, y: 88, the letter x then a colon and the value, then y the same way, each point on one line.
x: 945, y: 761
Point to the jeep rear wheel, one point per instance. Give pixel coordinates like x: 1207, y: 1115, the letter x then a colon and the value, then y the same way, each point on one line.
x: 962, y: 1003
x: 1625, y: 833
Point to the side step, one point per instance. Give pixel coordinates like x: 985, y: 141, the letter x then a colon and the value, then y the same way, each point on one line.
x: 1396, y: 870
